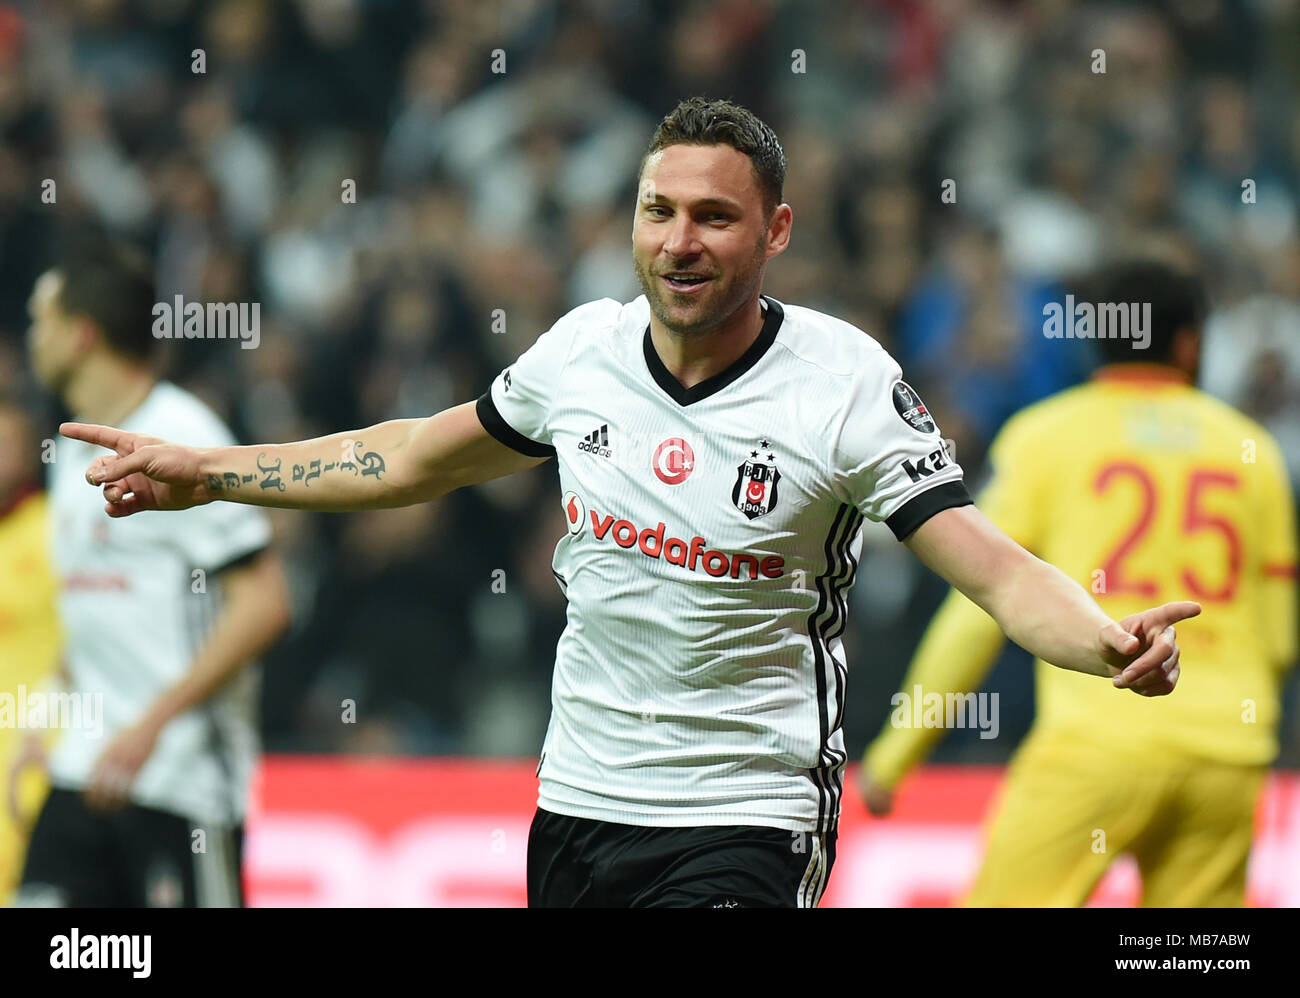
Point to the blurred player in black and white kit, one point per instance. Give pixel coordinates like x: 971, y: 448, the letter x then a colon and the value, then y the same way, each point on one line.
x: 162, y: 618
x: 717, y: 452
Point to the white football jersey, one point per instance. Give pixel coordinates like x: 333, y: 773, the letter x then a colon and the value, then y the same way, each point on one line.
x: 137, y: 597
x: 713, y: 537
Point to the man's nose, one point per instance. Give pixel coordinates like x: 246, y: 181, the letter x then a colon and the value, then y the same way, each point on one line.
x: 682, y: 239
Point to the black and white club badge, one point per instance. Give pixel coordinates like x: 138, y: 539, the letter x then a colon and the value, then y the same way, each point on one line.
x: 754, y: 493
x: 912, y: 409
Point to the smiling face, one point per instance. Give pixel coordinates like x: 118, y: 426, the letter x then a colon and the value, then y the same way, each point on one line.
x: 702, y: 236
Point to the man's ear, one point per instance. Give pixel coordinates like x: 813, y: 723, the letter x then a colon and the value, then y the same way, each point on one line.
x: 778, y: 230
x: 87, y: 335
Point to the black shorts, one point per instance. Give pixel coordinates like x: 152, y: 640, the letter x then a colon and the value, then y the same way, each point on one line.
x: 137, y: 857
x: 580, y: 863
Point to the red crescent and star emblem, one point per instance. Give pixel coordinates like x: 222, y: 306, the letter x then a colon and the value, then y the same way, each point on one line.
x: 673, y: 461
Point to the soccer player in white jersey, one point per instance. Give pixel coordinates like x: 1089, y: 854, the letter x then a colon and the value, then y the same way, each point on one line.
x: 162, y: 618
x: 718, y: 451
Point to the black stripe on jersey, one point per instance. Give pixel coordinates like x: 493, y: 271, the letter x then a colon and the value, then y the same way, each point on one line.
x: 827, y: 775
x: 496, y: 425
x: 709, y: 386
x: 839, y: 620
x: 819, y: 671
x: 832, y: 628
x: 917, y: 510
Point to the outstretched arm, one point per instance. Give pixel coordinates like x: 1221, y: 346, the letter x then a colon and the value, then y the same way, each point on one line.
x: 1044, y: 611
x: 397, y: 463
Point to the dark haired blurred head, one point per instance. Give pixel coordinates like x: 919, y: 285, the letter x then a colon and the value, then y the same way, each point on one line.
x: 1178, y: 308
x: 98, y: 300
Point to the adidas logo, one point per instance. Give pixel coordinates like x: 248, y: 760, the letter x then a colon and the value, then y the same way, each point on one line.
x: 596, y: 442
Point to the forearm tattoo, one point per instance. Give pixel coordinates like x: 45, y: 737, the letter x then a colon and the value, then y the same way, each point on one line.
x: 355, y: 461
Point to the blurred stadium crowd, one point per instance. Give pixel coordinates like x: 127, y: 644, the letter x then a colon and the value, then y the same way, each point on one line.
x: 480, y: 191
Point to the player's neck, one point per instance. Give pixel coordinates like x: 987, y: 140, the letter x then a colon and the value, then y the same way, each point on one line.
x: 16, y: 496
x: 107, y: 390
x: 1142, y: 372
x: 698, y: 357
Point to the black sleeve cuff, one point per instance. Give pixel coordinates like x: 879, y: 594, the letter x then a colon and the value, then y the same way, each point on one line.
x: 497, y: 426
x: 240, y: 560
x: 916, y: 511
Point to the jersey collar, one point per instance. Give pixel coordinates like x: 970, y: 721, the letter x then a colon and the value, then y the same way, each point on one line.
x: 1142, y: 373
x: 709, y: 386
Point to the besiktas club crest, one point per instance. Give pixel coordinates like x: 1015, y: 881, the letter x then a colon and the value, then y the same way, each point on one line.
x: 754, y: 493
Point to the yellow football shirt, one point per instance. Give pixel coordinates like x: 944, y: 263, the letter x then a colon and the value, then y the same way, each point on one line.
x: 29, y: 646
x: 1144, y: 490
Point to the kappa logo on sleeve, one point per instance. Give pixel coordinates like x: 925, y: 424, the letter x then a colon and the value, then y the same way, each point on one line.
x: 912, y: 409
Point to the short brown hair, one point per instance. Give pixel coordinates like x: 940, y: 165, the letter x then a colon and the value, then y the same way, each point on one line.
x: 698, y: 121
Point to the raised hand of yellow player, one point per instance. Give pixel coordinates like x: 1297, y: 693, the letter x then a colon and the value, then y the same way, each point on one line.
x: 1142, y: 650
x: 879, y: 801
x: 31, y: 755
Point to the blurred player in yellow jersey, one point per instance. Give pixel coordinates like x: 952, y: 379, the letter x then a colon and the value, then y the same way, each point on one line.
x: 1142, y: 489
x: 29, y: 636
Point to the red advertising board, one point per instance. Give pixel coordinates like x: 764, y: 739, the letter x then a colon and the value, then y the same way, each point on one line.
x: 326, y: 831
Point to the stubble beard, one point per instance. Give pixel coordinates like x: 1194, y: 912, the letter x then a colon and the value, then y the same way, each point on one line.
x: 734, y: 294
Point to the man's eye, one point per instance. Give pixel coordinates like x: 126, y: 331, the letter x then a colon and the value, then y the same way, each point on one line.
x: 656, y: 209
